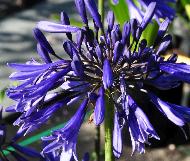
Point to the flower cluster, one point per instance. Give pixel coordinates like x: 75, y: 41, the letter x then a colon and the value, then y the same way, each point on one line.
x: 163, y: 10
x: 118, y: 63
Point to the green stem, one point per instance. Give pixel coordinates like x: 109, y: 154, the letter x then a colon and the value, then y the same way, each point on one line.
x: 97, y: 137
x: 97, y: 143
x: 109, y: 121
x: 101, y: 9
x: 101, y: 12
x: 109, y: 114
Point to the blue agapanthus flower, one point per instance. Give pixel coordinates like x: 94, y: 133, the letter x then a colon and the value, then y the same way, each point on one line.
x: 120, y: 62
x: 163, y: 10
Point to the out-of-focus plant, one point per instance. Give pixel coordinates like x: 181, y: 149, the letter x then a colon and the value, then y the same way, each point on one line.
x: 2, y: 95
x: 186, y: 5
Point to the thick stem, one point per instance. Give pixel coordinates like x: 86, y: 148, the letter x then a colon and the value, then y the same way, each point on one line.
x: 101, y: 12
x: 101, y: 9
x: 97, y: 143
x: 109, y: 122
x: 97, y: 138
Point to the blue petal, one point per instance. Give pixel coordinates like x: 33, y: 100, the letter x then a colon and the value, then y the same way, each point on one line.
x: 28, y: 67
x: 166, y: 41
x: 163, y: 10
x: 43, y: 53
x: 162, y: 30
x: 37, y: 118
x: 107, y: 74
x: 64, y: 18
x: 67, y: 155
x: 55, y: 27
x: 178, y: 70
x: 126, y: 34
x: 77, y: 65
x: 69, y: 48
x: 99, y: 53
x: 116, y: 34
x: 52, y: 146
x: 134, y: 27
x: 148, y: 15
x: 80, y: 38
x: 39, y: 36
x: 172, y: 112
x: 92, y: 96
x: 139, y: 127
x: 164, y: 82
x: 66, y: 137
x: 65, y: 21
x: 117, y: 138
x: 91, y: 6
x: 110, y: 20
x: 118, y: 50
x: 82, y: 11
x: 75, y: 122
x: 99, y: 110
x: 134, y: 11
x: 24, y: 75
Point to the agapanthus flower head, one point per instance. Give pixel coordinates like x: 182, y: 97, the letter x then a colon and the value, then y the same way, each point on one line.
x: 162, y: 10
x: 119, y: 63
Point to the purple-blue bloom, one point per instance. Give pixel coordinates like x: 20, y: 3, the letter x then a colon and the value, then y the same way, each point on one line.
x: 119, y: 63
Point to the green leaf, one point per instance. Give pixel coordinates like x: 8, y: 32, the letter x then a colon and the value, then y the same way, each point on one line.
x: 2, y: 95
x: 150, y: 32
x: 121, y: 11
x: 186, y: 5
x: 76, y: 23
x: 109, y: 125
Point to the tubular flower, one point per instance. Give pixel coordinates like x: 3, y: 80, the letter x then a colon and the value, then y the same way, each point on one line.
x: 95, y: 67
x: 162, y: 10
x: 66, y: 137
